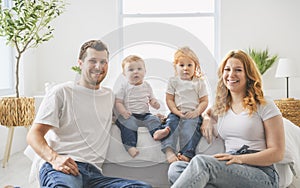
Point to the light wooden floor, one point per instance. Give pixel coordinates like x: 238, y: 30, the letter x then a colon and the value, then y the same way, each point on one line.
x: 16, y: 172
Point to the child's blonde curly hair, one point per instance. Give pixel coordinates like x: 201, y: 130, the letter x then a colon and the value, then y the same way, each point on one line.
x: 188, y: 53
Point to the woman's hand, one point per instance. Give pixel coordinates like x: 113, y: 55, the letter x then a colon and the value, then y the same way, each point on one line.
x: 207, y: 129
x: 231, y: 159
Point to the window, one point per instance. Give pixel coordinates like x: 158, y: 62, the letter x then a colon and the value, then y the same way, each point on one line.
x: 198, y: 17
x: 154, y: 29
x: 6, y: 58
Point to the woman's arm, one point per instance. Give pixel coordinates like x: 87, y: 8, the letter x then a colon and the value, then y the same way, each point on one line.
x: 207, y: 127
x: 275, y: 143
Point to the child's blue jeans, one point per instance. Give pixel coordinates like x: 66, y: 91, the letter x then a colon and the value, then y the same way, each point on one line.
x: 188, y: 132
x: 129, y: 127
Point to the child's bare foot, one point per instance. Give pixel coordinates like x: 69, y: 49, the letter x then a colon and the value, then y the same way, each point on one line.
x: 133, y: 152
x: 162, y: 133
x: 171, y: 157
x: 183, y: 157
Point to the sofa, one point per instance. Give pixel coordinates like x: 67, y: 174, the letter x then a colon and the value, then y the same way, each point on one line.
x: 151, y: 166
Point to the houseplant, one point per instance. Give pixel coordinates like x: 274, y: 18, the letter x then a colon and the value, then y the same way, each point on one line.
x: 24, y: 25
x: 262, y: 59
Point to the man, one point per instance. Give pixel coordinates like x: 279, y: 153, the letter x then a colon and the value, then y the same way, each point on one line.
x: 78, y: 116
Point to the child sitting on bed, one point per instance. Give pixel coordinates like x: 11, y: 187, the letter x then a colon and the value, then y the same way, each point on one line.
x: 186, y: 99
x: 132, y: 105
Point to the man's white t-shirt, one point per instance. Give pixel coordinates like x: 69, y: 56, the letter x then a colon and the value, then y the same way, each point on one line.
x: 81, y: 118
x: 241, y: 129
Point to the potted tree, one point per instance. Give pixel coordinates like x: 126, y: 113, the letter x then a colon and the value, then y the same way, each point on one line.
x: 262, y: 59
x: 24, y: 25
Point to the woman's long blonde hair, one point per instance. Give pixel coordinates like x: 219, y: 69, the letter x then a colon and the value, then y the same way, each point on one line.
x: 254, y: 93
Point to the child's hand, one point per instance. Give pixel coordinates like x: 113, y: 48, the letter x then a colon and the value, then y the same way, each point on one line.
x: 161, y: 117
x: 155, y: 104
x: 181, y: 114
x: 191, y: 114
x: 126, y: 114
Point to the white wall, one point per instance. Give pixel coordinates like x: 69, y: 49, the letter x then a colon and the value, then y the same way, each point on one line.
x: 260, y: 24
x: 52, y: 61
x: 82, y: 21
x: 256, y: 23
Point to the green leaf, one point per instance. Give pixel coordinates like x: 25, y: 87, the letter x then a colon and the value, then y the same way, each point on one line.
x: 76, y: 69
x: 262, y: 58
x: 26, y: 24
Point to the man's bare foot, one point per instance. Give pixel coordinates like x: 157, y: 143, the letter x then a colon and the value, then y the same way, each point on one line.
x: 133, y: 152
x: 183, y: 157
x: 162, y: 133
x: 171, y: 157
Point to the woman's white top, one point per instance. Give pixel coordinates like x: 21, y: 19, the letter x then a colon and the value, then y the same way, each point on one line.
x: 241, y: 129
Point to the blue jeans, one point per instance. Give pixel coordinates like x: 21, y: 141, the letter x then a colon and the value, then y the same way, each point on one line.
x: 188, y: 132
x: 129, y: 127
x: 207, y: 171
x: 89, y: 177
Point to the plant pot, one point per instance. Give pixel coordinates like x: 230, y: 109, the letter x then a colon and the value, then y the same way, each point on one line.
x: 290, y: 109
x: 17, y: 111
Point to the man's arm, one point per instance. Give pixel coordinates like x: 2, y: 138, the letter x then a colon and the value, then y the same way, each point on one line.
x: 36, y: 139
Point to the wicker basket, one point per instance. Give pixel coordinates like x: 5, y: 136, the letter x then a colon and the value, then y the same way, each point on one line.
x: 17, y: 111
x: 290, y: 109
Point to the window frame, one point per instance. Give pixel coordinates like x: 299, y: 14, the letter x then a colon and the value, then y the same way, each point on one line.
x: 215, y: 14
x: 10, y: 56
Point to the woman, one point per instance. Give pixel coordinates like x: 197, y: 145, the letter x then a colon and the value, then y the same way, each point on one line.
x: 251, y: 126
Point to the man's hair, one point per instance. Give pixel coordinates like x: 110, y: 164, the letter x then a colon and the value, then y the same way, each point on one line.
x: 94, y: 44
